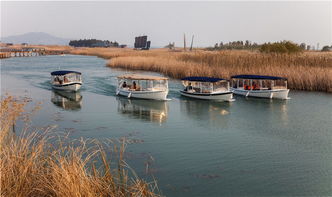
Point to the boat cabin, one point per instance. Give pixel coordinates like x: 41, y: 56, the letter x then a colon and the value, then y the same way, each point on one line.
x: 258, y: 82
x: 63, y: 77
x: 206, y: 85
x: 134, y: 82
x: 143, y: 86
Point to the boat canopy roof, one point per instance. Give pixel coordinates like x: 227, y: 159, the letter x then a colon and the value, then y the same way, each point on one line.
x: 141, y: 77
x: 202, y: 79
x: 257, y: 77
x: 64, y: 72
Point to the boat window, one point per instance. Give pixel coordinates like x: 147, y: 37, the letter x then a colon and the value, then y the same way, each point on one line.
x: 266, y: 84
x: 206, y: 87
x: 160, y: 84
x: 256, y: 85
x: 144, y: 85
x: 57, y: 79
x: 131, y: 84
x: 280, y: 84
x: 234, y: 83
x: 240, y: 82
x: 221, y: 86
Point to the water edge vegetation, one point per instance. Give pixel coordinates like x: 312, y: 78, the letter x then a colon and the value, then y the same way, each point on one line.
x: 36, y: 164
x: 305, y: 70
x: 309, y: 71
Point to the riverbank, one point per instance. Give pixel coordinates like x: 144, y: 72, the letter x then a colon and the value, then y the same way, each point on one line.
x: 309, y: 71
x: 37, y: 164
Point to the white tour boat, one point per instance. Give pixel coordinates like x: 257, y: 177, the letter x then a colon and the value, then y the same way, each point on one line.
x: 260, y: 86
x: 66, y: 80
x: 207, y: 88
x: 143, y: 86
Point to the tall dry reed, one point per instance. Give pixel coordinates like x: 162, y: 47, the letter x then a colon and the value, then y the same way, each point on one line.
x: 35, y: 164
x: 305, y: 71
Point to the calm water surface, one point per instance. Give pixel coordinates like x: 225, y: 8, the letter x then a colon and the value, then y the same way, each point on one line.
x: 250, y: 147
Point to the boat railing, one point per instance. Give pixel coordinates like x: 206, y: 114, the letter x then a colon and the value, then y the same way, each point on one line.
x: 142, y: 85
x: 279, y: 87
x: 254, y: 84
x: 206, y: 87
x: 66, y: 79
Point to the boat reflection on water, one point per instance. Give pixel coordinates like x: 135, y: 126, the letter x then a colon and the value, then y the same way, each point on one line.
x: 67, y: 100
x: 147, y: 110
x: 276, y: 108
x: 212, y: 113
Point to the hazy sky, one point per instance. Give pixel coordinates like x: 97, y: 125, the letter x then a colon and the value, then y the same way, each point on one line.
x: 210, y: 22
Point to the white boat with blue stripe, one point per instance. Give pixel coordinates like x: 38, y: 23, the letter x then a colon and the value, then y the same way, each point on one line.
x: 260, y: 86
x: 66, y: 80
x: 142, y: 86
x: 207, y: 88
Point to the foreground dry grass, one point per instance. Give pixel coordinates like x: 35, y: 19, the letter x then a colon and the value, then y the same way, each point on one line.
x: 306, y: 71
x: 33, y: 166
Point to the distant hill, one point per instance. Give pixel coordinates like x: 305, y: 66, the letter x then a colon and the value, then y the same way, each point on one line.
x: 36, y: 38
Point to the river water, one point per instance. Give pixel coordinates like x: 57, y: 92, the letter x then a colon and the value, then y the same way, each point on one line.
x: 250, y: 147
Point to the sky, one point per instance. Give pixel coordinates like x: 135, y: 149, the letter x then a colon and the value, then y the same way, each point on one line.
x: 164, y: 22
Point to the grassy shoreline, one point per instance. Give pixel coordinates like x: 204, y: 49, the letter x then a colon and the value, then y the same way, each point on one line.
x: 39, y: 164
x: 309, y: 71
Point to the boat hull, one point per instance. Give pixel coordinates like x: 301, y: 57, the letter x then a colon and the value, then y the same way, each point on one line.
x: 153, y: 95
x: 272, y: 94
x: 73, y: 87
x: 225, y: 96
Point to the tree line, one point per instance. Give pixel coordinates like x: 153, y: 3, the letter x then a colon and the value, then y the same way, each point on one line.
x: 93, y: 43
x: 275, y: 47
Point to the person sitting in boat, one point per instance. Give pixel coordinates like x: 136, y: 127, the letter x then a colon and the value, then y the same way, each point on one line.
x: 189, y: 88
x: 60, y: 80
x: 65, y: 79
x: 255, y: 86
x: 56, y: 80
x: 124, y: 84
x: 135, y: 86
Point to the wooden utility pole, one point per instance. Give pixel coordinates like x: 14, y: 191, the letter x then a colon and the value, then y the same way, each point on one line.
x: 184, y: 42
x: 192, y: 41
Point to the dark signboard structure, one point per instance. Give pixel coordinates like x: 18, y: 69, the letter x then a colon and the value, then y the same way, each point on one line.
x: 141, y: 42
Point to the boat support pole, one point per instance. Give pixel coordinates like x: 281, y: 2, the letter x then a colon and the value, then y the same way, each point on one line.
x: 271, y: 95
x: 117, y: 92
x: 247, y: 93
x: 129, y: 95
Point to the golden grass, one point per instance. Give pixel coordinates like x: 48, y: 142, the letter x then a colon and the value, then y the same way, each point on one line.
x: 305, y: 71
x: 46, y: 47
x: 38, y: 165
x: 108, y: 53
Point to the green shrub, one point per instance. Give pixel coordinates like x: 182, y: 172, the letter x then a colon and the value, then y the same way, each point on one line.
x: 327, y: 48
x: 281, y: 47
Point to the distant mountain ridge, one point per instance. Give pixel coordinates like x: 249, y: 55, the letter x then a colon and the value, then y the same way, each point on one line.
x: 36, y: 38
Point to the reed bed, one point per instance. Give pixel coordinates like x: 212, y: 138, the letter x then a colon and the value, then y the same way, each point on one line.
x: 46, y: 47
x: 108, y: 53
x: 311, y: 71
x: 37, y: 164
